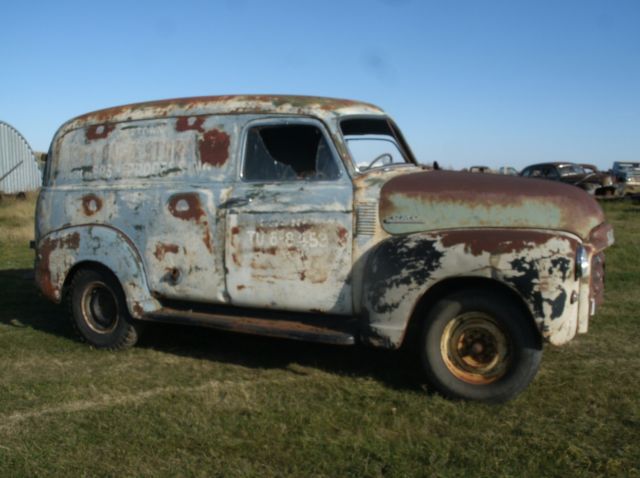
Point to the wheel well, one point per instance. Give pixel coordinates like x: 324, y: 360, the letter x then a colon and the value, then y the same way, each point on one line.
x: 449, y: 286
x: 96, y: 266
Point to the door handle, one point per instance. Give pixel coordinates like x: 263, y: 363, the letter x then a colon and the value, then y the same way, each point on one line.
x: 235, y: 202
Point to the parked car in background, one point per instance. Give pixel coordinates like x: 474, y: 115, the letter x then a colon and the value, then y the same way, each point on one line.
x: 481, y: 169
x: 627, y: 174
x: 574, y: 174
x: 606, y: 179
x: 508, y: 170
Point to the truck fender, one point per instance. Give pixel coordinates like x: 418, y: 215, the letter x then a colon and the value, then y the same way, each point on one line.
x: 60, y: 251
x: 538, y: 266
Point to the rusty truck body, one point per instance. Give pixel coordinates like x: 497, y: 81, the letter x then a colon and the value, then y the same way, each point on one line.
x: 310, y: 218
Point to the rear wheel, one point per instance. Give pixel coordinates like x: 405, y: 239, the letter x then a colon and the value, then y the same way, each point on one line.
x: 479, y: 345
x: 98, y: 310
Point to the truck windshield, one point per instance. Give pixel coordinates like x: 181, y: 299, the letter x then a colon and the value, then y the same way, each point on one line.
x: 373, y: 143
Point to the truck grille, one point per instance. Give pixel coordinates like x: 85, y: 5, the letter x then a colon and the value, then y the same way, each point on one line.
x: 366, y: 219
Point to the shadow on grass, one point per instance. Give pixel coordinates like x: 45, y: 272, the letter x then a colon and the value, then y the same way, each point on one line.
x: 22, y: 306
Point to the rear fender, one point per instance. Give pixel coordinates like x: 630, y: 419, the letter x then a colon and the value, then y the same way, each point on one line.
x: 60, y: 251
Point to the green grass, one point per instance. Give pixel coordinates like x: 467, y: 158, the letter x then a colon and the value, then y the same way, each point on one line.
x: 196, y: 402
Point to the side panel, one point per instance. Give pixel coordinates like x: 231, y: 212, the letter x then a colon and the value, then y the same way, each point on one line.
x: 59, y: 251
x: 538, y: 265
x: 159, y: 182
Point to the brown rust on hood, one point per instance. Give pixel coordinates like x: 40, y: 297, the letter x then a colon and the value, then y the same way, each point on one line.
x: 91, y: 204
x: 491, y: 196
x: 214, y: 148
x: 493, y: 241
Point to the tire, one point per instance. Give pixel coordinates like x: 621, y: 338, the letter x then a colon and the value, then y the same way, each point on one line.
x: 98, y: 311
x: 479, y: 345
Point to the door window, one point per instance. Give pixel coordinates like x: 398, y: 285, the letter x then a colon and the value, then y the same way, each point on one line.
x: 288, y: 152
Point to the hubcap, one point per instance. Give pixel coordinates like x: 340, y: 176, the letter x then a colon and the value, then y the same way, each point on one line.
x: 475, y: 349
x: 100, y: 308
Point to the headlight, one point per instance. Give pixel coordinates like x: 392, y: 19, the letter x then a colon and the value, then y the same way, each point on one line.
x: 582, y: 262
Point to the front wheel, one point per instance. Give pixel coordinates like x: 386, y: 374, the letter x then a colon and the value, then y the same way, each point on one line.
x: 98, y: 310
x: 479, y: 345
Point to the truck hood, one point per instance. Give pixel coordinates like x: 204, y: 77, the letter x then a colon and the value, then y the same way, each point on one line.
x: 438, y: 200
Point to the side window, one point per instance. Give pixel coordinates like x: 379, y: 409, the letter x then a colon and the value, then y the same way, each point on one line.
x: 288, y: 153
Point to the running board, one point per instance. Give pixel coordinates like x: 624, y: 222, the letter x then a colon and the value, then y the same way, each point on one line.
x: 323, y: 329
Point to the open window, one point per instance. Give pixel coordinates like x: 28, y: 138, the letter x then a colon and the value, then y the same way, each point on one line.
x: 374, y: 142
x: 288, y: 152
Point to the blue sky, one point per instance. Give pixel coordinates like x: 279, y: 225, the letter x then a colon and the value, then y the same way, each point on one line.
x: 469, y: 82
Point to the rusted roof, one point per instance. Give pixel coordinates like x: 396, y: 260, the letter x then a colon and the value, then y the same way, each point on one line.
x: 230, y: 104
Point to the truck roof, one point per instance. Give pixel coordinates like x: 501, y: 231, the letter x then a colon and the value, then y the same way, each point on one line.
x: 231, y: 104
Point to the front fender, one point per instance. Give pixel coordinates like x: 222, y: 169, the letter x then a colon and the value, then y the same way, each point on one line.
x: 59, y: 251
x: 537, y: 265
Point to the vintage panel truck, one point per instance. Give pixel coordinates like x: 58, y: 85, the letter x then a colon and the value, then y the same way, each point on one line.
x: 310, y: 218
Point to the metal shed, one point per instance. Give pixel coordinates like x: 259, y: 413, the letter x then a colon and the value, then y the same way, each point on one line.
x: 19, y: 171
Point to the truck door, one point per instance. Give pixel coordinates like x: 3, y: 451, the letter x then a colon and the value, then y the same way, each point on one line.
x: 289, y: 221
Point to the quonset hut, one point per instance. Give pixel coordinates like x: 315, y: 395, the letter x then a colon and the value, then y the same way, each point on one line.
x: 19, y: 171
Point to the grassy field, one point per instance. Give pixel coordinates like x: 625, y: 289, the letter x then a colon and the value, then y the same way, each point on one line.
x: 194, y: 402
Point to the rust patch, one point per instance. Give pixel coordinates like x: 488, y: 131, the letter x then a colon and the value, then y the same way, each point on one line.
x: 163, y: 249
x: 342, y: 235
x: 98, y: 131
x: 241, y: 287
x: 189, y: 123
x: 235, y: 230
x: 492, y: 191
x: 186, y: 207
x: 91, y: 204
x: 43, y: 269
x: 214, y: 148
x: 249, y: 103
x: 206, y: 238
x: 493, y: 241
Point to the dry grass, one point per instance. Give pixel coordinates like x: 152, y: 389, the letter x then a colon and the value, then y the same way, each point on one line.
x: 17, y: 217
